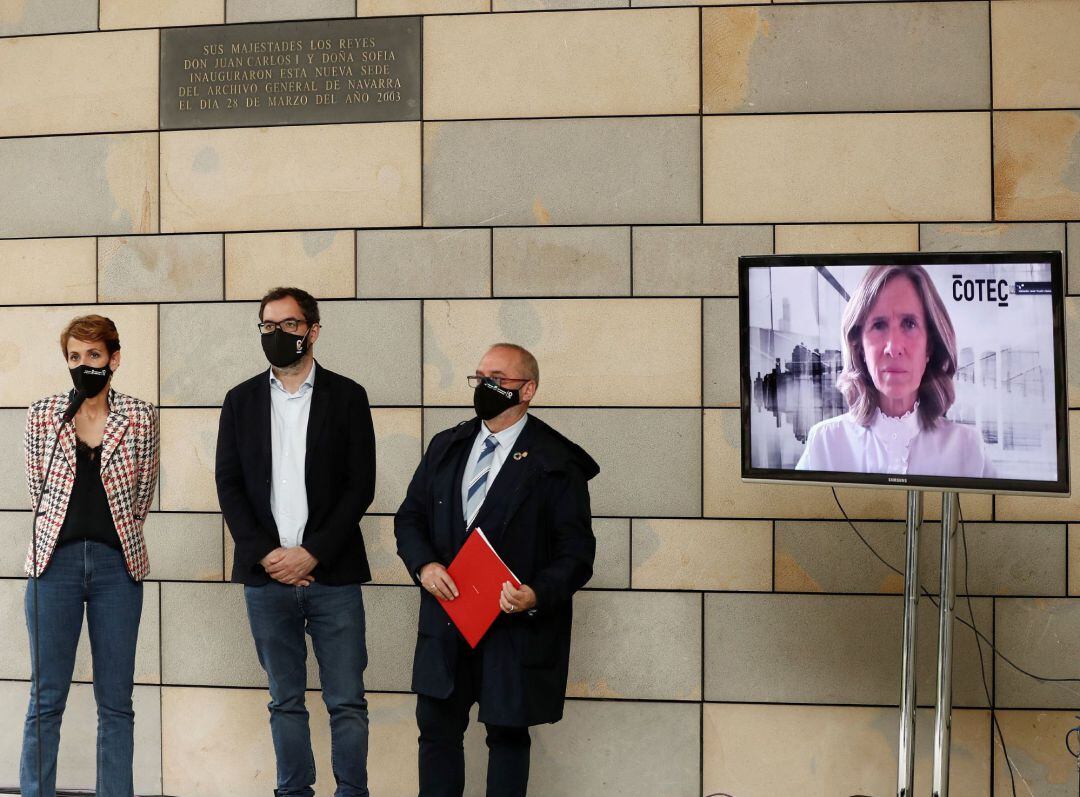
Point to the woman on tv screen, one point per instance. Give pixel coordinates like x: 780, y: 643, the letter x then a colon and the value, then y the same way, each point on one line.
x: 899, y: 361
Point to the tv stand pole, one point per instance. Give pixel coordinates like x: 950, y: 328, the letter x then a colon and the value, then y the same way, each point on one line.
x: 905, y: 780
x: 947, y: 600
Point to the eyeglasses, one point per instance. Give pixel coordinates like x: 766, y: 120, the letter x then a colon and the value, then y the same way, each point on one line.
x: 290, y: 325
x: 476, y: 381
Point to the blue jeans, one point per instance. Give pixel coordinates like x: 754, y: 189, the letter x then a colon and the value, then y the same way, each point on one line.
x: 334, y: 619
x: 93, y: 574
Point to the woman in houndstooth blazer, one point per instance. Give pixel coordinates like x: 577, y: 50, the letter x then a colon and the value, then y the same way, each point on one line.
x: 88, y: 554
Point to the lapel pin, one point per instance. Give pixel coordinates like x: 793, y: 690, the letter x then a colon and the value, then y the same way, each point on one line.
x: 521, y: 454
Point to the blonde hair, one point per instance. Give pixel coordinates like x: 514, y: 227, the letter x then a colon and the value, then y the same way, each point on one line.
x: 936, y: 392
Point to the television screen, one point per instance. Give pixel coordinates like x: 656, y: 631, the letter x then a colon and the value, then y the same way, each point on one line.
x: 936, y: 371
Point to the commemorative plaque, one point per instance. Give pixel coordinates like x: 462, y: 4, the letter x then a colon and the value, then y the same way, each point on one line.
x: 290, y: 73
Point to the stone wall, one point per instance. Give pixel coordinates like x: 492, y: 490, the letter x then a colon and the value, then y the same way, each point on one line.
x: 582, y: 181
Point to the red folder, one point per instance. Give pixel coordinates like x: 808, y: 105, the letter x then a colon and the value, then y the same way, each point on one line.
x: 478, y: 573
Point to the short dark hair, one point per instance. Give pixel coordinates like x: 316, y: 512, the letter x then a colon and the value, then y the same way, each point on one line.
x: 309, y: 305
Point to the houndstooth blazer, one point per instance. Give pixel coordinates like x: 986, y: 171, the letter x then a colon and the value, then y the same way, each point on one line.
x: 129, y: 469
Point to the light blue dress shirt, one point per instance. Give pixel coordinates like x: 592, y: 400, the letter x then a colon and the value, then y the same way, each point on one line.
x: 289, y: 413
x: 507, y: 437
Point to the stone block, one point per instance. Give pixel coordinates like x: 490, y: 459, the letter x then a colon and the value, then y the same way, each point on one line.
x: 846, y: 750
x: 702, y: 554
x: 833, y: 649
x: 269, y: 10
x: 1036, y: 62
x: 117, y: 72
x: 621, y: 63
x: 319, y: 261
x: 1039, y: 635
x: 364, y: 175
x: 1035, y: 172
x: 720, y: 351
x: 861, y: 57
x: 628, y: 645
x: 832, y: 167
x: 48, y: 271
x: 562, y: 261
x: 184, y: 546
x: 47, y: 16
x: 423, y: 263
x: 800, y: 239
x: 636, y: 352
x: 188, y: 446
x: 79, y: 185
x: 165, y: 268
x: 160, y: 13
x: 694, y: 261
x: 561, y: 171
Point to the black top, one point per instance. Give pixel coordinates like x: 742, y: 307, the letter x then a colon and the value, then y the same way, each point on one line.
x: 339, y: 477
x: 88, y: 515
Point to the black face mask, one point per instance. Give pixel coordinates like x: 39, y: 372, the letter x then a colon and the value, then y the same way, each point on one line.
x: 490, y: 400
x: 88, y: 380
x: 283, y: 349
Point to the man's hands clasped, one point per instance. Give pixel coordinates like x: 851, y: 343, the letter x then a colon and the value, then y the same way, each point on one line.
x: 290, y: 566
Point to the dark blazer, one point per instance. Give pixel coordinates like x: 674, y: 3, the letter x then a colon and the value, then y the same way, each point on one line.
x: 537, y: 516
x: 339, y: 475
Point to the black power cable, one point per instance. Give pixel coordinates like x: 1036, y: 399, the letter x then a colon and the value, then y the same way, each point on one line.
x: 37, y: 608
x: 978, y: 645
x: 979, y: 636
x: 1075, y: 753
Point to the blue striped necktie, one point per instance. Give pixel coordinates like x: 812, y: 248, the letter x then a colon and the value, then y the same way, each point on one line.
x: 478, y: 482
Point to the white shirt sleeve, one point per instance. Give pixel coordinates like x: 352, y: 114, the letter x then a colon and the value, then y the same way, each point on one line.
x: 809, y: 458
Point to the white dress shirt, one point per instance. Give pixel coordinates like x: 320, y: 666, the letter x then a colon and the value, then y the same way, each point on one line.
x: 507, y: 437
x: 895, y: 446
x: 289, y: 413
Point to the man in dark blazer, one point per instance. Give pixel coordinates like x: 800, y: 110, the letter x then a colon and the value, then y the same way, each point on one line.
x: 295, y: 473
x: 526, y: 487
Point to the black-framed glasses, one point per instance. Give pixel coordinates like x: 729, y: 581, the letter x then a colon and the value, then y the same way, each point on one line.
x: 290, y: 325
x: 476, y: 381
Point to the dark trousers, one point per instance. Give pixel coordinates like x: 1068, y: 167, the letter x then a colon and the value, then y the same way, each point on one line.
x: 442, y: 730
x: 333, y: 617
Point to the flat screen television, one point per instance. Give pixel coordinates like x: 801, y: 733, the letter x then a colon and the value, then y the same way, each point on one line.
x: 941, y: 371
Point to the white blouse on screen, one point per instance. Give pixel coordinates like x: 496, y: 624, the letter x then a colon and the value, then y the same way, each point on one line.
x: 895, y: 445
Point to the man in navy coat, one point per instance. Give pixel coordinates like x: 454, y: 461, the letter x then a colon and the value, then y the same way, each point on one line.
x: 526, y: 487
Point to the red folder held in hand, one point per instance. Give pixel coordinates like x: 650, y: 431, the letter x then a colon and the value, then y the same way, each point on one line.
x: 478, y: 573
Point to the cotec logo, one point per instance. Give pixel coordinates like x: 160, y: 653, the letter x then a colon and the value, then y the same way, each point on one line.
x: 980, y: 290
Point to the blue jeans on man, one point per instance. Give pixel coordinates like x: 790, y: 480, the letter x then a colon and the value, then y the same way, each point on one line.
x: 92, y: 576
x: 333, y: 616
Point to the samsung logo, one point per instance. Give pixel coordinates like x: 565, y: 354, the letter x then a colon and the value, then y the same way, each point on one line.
x: 897, y: 480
